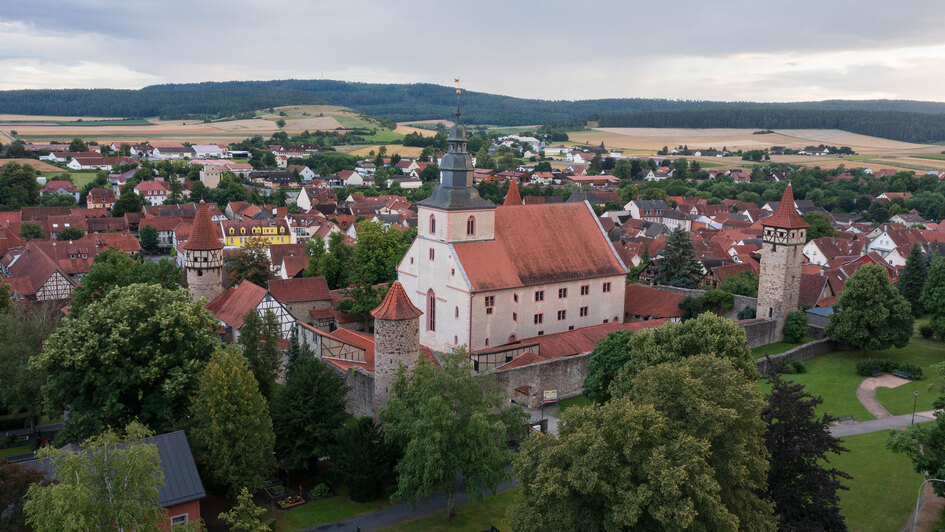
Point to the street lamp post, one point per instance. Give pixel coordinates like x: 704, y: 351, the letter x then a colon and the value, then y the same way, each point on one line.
x: 915, y: 518
x: 915, y: 401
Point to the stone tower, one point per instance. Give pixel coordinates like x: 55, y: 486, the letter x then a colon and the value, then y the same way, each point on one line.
x: 203, y: 257
x: 779, y: 284
x: 396, y: 340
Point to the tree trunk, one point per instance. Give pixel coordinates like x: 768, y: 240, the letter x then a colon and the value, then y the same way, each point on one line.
x: 450, y: 508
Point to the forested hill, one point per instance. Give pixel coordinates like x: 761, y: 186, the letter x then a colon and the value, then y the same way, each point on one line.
x: 895, y: 119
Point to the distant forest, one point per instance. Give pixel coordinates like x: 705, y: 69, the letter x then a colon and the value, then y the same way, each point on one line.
x: 895, y: 119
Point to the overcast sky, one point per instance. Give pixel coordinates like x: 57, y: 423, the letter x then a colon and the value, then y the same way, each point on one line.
x: 769, y: 50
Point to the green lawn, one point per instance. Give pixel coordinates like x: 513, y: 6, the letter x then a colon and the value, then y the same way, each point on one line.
x: 80, y: 179
x: 778, y: 347
x: 13, y: 451
x: 924, y: 353
x: 883, y: 488
x: 324, y: 511
x: 937, y: 156
x: 382, y: 137
x: 472, y: 517
x: 924, y: 320
x: 565, y: 404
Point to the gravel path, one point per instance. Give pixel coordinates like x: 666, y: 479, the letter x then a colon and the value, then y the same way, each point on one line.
x: 866, y: 392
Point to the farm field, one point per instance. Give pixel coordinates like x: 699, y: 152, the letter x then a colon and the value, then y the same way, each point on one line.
x: 364, y: 151
x: 40, y: 166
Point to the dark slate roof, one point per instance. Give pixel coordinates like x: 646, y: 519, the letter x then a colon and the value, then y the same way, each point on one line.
x: 181, y: 479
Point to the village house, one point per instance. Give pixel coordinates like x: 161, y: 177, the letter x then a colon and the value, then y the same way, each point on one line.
x: 152, y: 192
x: 100, y: 198
x: 308, y: 299
x: 233, y: 304
x: 238, y: 232
x: 60, y: 187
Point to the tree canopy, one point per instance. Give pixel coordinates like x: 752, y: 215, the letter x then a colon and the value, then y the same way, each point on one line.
x: 677, y: 264
x: 933, y: 295
x: 249, y: 263
x: 23, y: 331
x: 872, y: 313
x: 113, y: 268
x: 259, y: 342
x: 912, y: 280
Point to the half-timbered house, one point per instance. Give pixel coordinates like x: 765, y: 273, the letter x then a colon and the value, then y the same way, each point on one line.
x: 234, y: 303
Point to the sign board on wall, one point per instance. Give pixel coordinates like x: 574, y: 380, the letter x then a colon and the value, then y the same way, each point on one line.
x: 549, y: 396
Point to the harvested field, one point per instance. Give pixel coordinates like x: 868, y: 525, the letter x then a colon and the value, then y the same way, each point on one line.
x: 403, y: 151
x: 405, y: 130
x: 40, y: 166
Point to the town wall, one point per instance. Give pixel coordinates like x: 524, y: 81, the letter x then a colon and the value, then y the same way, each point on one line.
x: 802, y: 352
x: 565, y: 374
x: 738, y: 302
x: 359, y: 400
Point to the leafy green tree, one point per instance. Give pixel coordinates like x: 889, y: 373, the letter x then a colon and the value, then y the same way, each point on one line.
x: 69, y: 233
x: 113, y: 268
x: 230, y: 429
x: 308, y: 413
x: 57, y: 200
x: 249, y: 263
x: 15, y: 480
x: 299, y: 351
x: 800, y: 482
x: 78, y: 145
x: 912, y: 280
x: 819, y: 225
x: 430, y: 174
x: 933, y: 295
x: 672, y: 342
x: 135, y: 354
x: 795, y: 326
x: 18, y: 186
x: 608, y: 356
x: 460, y: 419
x: 691, y: 307
x: 742, y: 283
x: 148, y: 238
x: 717, y: 300
x: 246, y: 516
x: 378, y: 251
x: 111, y: 485
x: 877, y: 212
x: 677, y: 264
x: 337, y: 264
x: 259, y: 338
x: 280, y: 123
x: 29, y: 231
x: 360, y: 300
x: 683, y: 450
x: 23, y: 331
x: 364, y: 460
x: 127, y: 202
x: 872, y: 313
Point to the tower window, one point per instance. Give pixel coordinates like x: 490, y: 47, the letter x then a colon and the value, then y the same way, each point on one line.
x: 432, y: 253
x: 515, y: 298
x: 583, y: 312
x: 432, y: 225
x: 585, y: 289
x: 471, y: 226
x: 770, y: 312
x: 515, y: 317
x: 606, y: 287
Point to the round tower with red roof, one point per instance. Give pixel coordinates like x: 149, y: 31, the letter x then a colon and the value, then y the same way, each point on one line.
x: 396, y: 340
x: 779, y: 283
x: 203, y: 257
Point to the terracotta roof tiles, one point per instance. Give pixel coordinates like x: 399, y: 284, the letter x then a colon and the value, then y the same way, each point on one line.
x: 302, y: 289
x: 786, y: 216
x: 202, y: 236
x: 396, y: 306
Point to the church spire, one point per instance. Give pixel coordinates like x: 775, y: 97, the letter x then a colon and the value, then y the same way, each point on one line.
x: 512, y: 197
x: 458, y: 92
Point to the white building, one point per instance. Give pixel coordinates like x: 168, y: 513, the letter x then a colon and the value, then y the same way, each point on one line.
x: 485, y: 275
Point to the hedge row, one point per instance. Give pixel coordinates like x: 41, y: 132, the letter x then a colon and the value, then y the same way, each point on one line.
x: 866, y: 368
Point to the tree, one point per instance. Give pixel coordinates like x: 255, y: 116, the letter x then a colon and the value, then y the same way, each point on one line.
x: 246, y: 516
x: 259, y: 339
x: 57, y: 200
x: 819, y: 225
x: 672, y: 342
x: 430, y: 174
x: 78, y: 145
x: 912, y: 280
x: 15, y: 480
x: 135, y: 354
x: 230, y: 429
x: 299, y: 351
x: 113, y: 268
x: 18, y: 186
x: 111, y: 485
x: 460, y: 419
x: 872, y: 313
x: 795, y: 326
x: 933, y: 295
x: 280, y: 123
x: 148, y: 238
x: 69, y: 233
x: 742, y: 283
x: 23, y: 331
x: 337, y: 263
x: 29, y: 231
x: 364, y: 460
x: 308, y: 413
x: 677, y: 265
x: 608, y: 356
x: 682, y: 451
x: 127, y: 202
x: 800, y: 483
x: 249, y: 263
x: 877, y: 212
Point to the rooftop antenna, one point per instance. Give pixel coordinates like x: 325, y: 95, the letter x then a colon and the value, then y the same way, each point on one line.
x: 458, y: 92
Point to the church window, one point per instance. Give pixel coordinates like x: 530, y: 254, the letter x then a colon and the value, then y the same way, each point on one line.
x: 606, y: 287
x: 562, y: 293
x: 541, y: 333
x: 583, y: 312
x: 539, y: 318
x: 431, y: 311
x: 487, y: 342
x: 585, y: 289
x: 456, y: 313
x: 471, y: 226
x: 515, y: 317
x: 539, y: 295
x: 432, y: 225
x: 562, y: 314
x: 431, y: 254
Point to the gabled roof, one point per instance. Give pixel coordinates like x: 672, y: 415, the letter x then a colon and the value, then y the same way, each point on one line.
x: 786, y: 216
x: 812, y: 286
x: 643, y: 300
x: 233, y: 304
x: 512, y: 197
x: 396, y: 306
x: 301, y: 289
x: 539, y: 244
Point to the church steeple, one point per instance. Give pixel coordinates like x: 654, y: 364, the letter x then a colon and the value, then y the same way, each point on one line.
x: 456, y: 190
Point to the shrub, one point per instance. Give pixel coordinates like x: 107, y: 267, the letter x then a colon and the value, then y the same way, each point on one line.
x: 717, y: 300
x: 915, y: 372
x: 795, y: 367
x: 872, y: 365
x: 926, y: 330
x: 795, y: 326
x: 746, y: 313
x: 321, y: 490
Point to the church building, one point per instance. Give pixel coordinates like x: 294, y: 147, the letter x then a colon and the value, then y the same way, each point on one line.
x: 484, y: 275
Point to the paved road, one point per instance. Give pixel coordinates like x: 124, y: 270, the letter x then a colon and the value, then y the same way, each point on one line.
x: 399, y: 513
x: 875, y: 425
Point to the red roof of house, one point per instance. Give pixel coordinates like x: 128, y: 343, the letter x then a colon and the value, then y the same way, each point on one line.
x: 396, y: 305
x: 642, y: 300
x: 812, y: 286
x: 202, y: 236
x: 539, y: 244
x: 153, y: 188
x: 232, y: 305
x: 524, y: 359
x: 52, y: 186
x: 786, y: 216
x: 512, y: 197
x: 302, y: 289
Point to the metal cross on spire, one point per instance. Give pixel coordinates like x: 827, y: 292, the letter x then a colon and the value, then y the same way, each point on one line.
x: 458, y: 92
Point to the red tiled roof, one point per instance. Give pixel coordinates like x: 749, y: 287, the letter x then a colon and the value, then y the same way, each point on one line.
x: 642, y: 300
x: 522, y: 360
x: 811, y: 288
x: 202, y: 236
x: 512, y: 197
x: 533, y: 246
x: 728, y: 270
x: 396, y: 305
x: 302, y: 289
x: 786, y: 216
x: 233, y: 304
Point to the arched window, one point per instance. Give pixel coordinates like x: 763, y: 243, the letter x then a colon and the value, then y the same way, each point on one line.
x: 431, y: 311
x: 432, y: 224
x: 511, y: 338
x: 471, y: 226
x: 456, y: 313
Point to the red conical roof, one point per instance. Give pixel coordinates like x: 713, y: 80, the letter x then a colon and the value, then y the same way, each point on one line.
x: 786, y: 216
x: 396, y: 305
x: 512, y: 197
x: 202, y: 236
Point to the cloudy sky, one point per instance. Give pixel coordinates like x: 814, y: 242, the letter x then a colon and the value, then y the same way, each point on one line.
x: 771, y: 50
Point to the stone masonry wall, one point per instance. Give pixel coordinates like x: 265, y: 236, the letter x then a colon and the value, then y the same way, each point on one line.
x: 760, y: 332
x: 738, y: 302
x: 395, y: 343
x: 566, y: 374
x: 801, y: 352
x: 359, y: 401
